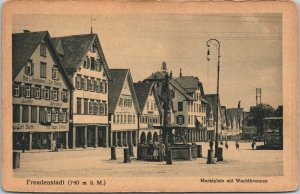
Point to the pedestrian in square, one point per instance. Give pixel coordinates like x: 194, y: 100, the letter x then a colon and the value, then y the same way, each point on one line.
x: 23, y: 144
x: 211, y: 144
x: 237, y: 145
x: 226, y: 145
x: 253, y: 144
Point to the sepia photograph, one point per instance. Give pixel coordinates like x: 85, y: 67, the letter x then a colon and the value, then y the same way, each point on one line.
x: 102, y: 95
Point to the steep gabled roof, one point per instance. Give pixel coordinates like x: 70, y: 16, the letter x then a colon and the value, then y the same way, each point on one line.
x: 156, y: 76
x: 234, y: 114
x: 212, y: 102
x: 190, y: 83
x: 75, y: 48
x: 24, y: 45
x: 142, y: 91
x: 119, y: 76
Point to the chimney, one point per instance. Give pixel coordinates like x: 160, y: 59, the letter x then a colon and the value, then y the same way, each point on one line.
x: 239, y: 104
x: 164, y: 67
x: 26, y: 31
x: 171, y: 74
x: 180, y: 74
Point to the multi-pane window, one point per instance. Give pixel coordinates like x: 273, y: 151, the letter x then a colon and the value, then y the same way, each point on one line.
x: 27, y: 91
x: 16, y: 90
x: 37, y: 92
x: 118, y: 118
x: 43, y: 49
x: 33, y: 114
x: 64, y: 115
x: 46, y: 93
x: 92, y: 85
x: 55, y: 94
x: 64, y: 96
x: 86, y: 108
x: 85, y: 63
x: 55, y: 73
x: 129, y: 119
x: 55, y: 116
x: 25, y: 114
x: 104, y: 87
x: 29, y: 68
x: 96, y: 107
x: 78, y: 82
x: 125, y: 118
x: 102, y: 108
x: 133, y: 119
x: 43, y: 70
x: 151, y: 105
x: 85, y: 83
x: 16, y: 113
x: 121, y: 102
x: 180, y: 106
x: 91, y: 107
x: 49, y: 116
x: 78, y: 105
x: 92, y: 63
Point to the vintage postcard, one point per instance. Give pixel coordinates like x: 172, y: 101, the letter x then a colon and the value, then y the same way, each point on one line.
x: 149, y: 96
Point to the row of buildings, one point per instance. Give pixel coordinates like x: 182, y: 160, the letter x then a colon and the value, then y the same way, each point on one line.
x: 64, y: 92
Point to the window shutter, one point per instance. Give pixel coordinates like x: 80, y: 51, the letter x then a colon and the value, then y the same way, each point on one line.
x: 53, y: 116
x: 89, y: 85
x: 53, y: 73
x: 32, y: 68
x: 13, y: 86
x: 82, y: 83
x: 42, y: 93
x: 32, y: 90
x: 51, y: 94
x: 58, y: 95
x: 60, y: 117
x: 22, y: 91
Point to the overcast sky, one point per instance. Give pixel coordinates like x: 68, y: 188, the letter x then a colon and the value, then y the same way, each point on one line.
x: 251, y: 48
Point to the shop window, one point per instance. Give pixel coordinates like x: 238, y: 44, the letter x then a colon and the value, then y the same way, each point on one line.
x: 25, y: 114
x: 16, y: 113
x: 29, y: 68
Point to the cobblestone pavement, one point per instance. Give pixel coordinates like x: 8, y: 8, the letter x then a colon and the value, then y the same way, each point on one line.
x: 93, y: 162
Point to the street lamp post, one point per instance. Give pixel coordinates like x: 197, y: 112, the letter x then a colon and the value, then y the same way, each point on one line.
x: 208, y: 43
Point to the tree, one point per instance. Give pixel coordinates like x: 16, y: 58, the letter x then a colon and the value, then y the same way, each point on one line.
x: 259, y: 112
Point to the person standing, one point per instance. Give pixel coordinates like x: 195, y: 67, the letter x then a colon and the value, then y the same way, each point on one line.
x: 23, y: 144
x: 226, y: 145
x: 211, y: 144
x: 237, y: 145
x: 253, y: 144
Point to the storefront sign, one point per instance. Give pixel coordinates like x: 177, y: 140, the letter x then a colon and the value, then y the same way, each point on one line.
x: 41, y: 81
x: 23, y: 126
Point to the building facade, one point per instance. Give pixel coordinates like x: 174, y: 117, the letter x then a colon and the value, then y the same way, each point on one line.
x: 123, y: 109
x: 41, y: 93
x: 188, y: 104
x: 150, y: 119
x: 85, y: 63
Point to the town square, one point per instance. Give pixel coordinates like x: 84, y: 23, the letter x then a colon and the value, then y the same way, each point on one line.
x: 84, y: 106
